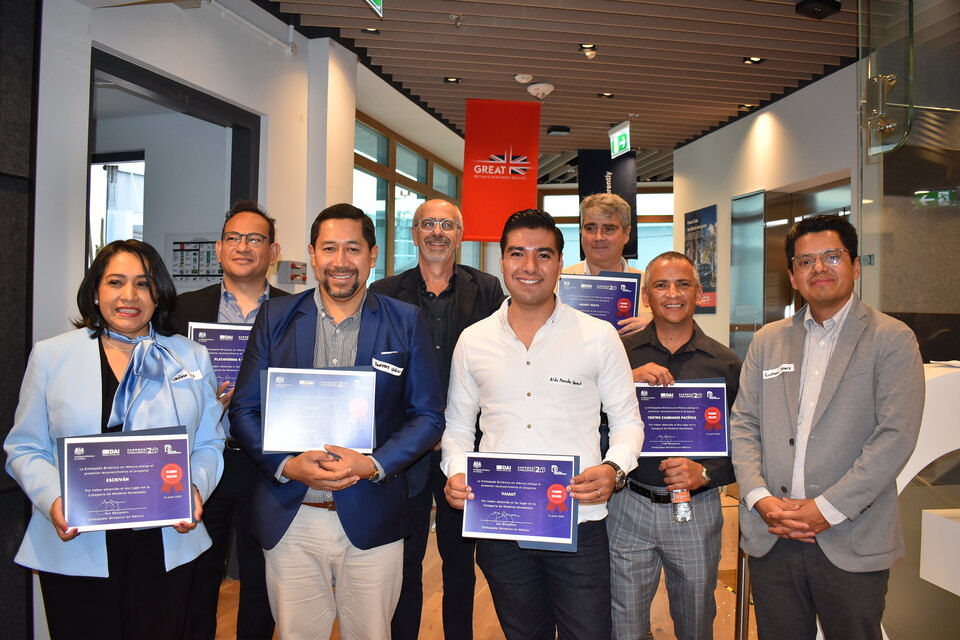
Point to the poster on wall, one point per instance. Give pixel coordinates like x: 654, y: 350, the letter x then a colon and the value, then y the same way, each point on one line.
x: 192, y: 260
x: 599, y: 173
x: 500, y: 153
x: 700, y: 245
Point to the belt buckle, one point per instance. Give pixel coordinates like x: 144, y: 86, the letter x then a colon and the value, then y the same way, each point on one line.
x: 329, y: 505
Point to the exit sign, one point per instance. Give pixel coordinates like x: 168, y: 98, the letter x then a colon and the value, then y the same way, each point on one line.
x: 376, y: 5
x: 936, y: 198
x: 619, y: 139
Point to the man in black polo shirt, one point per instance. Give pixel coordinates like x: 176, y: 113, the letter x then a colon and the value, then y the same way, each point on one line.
x: 644, y: 537
x: 453, y: 296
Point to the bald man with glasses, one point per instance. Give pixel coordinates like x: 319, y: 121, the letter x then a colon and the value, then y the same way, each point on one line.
x: 453, y: 296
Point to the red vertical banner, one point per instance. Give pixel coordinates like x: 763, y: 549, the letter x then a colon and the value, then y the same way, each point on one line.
x: 499, y: 164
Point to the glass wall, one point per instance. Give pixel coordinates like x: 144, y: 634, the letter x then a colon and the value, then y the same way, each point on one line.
x: 392, y: 177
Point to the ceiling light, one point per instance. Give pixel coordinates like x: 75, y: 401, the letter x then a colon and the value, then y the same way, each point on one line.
x: 558, y: 130
x: 589, y: 50
x: 371, y: 31
x: 747, y: 107
x: 634, y: 115
x: 753, y: 60
x: 540, y: 90
x: 523, y: 78
x: 451, y: 80
x: 605, y: 94
x: 817, y: 9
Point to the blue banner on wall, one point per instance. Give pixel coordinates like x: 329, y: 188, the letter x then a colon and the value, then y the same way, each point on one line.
x: 700, y: 245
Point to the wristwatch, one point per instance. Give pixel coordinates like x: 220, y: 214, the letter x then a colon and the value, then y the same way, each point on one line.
x: 705, y: 475
x: 621, y: 475
x: 375, y: 474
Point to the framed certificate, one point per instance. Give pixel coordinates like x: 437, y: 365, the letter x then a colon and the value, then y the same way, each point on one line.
x: 226, y: 344
x: 687, y: 419
x: 305, y: 409
x: 522, y: 497
x: 126, y: 480
x: 608, y: 298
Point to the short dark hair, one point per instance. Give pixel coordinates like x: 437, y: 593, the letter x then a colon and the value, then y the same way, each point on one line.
x: 249, y: 206
x: 345, y: 211
x: 816, y: 224
x: 162, y: 290
x: 530, y: 219
x: 671, y: 255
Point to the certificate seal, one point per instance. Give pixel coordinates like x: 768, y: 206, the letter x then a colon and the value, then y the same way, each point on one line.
x: 171, y: 474
x: 623, y: 307
x: 557, y: 497
x: 712, y: 416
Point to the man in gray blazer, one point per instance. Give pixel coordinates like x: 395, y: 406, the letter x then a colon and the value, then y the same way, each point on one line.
x: 827, y: 414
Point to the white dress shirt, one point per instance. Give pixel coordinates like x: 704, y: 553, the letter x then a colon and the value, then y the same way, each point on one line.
x: 545, y: 399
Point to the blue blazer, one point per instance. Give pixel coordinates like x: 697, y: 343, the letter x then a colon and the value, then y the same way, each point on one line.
x: 409, y: 412
x: 61, y: 395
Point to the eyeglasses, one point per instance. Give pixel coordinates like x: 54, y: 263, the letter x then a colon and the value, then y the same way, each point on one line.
x: 429, y: 224
x: 254, y: 240
x: 829, y: 258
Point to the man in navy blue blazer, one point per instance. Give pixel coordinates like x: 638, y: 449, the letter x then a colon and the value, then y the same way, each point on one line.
x: 335, y: 516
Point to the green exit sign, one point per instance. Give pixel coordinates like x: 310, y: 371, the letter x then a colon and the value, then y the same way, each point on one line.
x: 619, y: 139
x: 936, y: 198
x: 376, y: 5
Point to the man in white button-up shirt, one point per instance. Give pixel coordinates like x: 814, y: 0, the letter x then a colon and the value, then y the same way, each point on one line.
x: 539, y: 373
x: 827, y: 414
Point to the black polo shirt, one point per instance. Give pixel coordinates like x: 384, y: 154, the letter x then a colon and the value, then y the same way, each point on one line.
x: 701, y: 357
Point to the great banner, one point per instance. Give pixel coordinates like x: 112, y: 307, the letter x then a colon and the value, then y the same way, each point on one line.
x: 499, y: 164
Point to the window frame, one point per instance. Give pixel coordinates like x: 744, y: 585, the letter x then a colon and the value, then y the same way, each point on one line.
x: 389, y: 173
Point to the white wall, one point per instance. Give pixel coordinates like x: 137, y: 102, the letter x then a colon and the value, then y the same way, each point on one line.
x: 304, y: 100
x: 805, y: 139
x: 178, y: 150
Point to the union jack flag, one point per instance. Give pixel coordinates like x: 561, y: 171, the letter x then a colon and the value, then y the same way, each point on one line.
x: 516, y: 165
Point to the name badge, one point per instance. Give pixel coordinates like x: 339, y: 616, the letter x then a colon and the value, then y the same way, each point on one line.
x: 183, y: 375
x: 776, y: 371
x: 386, y: 367
x: 566, y: 381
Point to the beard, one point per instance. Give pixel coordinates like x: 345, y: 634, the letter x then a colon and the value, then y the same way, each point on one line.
x: 346, y: 291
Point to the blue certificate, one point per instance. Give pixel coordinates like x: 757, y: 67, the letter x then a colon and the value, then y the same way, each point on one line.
x: 608, y: 298
x: 305, y: 409
x: 522, y: 497
x: 126, y: 480
x: 226, y: 344
x: 687, y: 419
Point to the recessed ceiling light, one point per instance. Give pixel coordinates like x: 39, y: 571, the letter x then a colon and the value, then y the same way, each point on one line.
x: 558, y: 130
x: 753, y: 60
x: 634, y: 115
x: 451, y: 80
x: 371, y: 31
x: 747, y: 107
x: 605, y: 94
x: 523, y: 78
x: 589, y: 50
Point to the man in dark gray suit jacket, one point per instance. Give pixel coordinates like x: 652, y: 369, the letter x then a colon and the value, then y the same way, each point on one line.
x: 246, y: 251
x: 453, y: 296
x: 827, y: 415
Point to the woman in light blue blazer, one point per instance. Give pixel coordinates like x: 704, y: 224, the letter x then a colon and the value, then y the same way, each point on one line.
x: 124, y: 368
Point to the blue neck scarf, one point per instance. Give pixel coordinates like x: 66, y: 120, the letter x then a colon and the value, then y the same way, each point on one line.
x: 151, y: 366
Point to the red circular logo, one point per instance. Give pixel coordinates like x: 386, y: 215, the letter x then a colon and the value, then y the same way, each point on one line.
x: 556, y: 493
x: 171, y: 473
x: 623, y: 304
x: 712, y: 416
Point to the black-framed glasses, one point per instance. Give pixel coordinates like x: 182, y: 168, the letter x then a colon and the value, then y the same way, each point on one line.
x: 254, y: 240
x: 429, y: 224
x: 829, y: 258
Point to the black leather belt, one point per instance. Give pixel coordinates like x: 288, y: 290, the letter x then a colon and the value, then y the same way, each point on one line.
x: 330, y: 505
x: 656, y: 497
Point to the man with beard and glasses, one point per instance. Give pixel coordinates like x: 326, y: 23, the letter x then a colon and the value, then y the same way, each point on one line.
x: 335, y: 516
x: 454, y: 296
